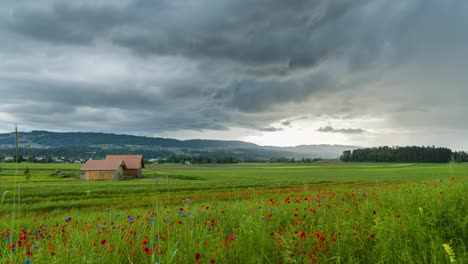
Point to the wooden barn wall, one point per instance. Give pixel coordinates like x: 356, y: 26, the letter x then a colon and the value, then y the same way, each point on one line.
x: 100, y: 175
x: 131, y: 173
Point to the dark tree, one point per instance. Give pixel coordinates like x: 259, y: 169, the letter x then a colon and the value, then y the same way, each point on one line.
x: 460, y: 156
x: 400, y: 154
x: 346, y: 156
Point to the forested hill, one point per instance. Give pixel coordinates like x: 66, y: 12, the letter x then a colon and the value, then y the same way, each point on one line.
x: 81, y: 139
x: 78, y: 144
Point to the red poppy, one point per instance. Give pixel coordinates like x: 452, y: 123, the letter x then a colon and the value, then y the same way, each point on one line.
x: 103, y: 242
x: 197, y: 256
x: 232, y: 237
x: 372, y: 236
x: 303, y: 235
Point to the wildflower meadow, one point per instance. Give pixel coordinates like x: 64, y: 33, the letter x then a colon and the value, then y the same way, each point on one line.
x: 321, y: 220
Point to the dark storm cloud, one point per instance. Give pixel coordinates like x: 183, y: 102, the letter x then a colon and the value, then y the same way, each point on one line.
x: 258, y: 32
x: 65, y: 23
x: 260, y: 96
x: 69, y: 102
x: 205, y: 64
x: 77, y: 93
x: 330, y: 129
x: 254, y: 32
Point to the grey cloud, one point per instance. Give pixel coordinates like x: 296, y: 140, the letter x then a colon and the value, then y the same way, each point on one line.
x: 259, y: 96
x: 330, y: 129
x: 222, y: 65
x: 290, y: 121
x: 66, y: 23
x: 297, y: 35
x: 293, y: 46
x: 76, y: 93
x: 271, y: 129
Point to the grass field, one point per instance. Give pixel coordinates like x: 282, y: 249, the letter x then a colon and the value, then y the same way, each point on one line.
x: 328, y: 212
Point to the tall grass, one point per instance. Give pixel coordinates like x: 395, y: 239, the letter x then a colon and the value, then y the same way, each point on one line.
x: 401, y: 223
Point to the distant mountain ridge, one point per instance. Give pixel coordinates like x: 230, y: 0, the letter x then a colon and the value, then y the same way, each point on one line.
x: 59, y: 139
x: 156, y: 146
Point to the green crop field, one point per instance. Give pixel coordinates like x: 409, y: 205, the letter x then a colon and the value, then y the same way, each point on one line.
x: 326, y: 212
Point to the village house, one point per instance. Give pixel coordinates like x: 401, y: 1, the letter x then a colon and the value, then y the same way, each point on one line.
x: 114, y: 167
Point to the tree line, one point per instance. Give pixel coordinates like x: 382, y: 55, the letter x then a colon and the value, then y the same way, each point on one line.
x: 404, y: 154
x: 181, y: 159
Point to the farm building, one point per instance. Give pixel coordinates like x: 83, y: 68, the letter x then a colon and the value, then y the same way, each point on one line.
x: 103, y: 170
x: 134, y: 164
x: 113, y: 167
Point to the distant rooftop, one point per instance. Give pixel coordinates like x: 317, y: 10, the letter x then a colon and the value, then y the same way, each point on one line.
x: 102, y: 165
x: 133, y: 162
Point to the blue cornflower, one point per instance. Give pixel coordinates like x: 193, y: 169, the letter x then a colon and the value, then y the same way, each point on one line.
x: 27, y: 261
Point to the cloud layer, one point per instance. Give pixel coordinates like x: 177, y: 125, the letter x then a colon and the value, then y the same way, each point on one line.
x: 330, y: 129
x: 162, y: 67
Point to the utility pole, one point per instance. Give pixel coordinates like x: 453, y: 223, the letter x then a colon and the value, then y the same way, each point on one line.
x: 16, y: 137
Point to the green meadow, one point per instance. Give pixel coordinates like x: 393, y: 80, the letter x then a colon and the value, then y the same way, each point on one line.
x: 325, y: 212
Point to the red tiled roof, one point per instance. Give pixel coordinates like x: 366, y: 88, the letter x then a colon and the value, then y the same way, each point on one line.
x: 103, y: 165
x: 133, y: 162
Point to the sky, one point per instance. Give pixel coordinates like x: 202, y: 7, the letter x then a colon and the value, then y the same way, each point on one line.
x: 271, y: 72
